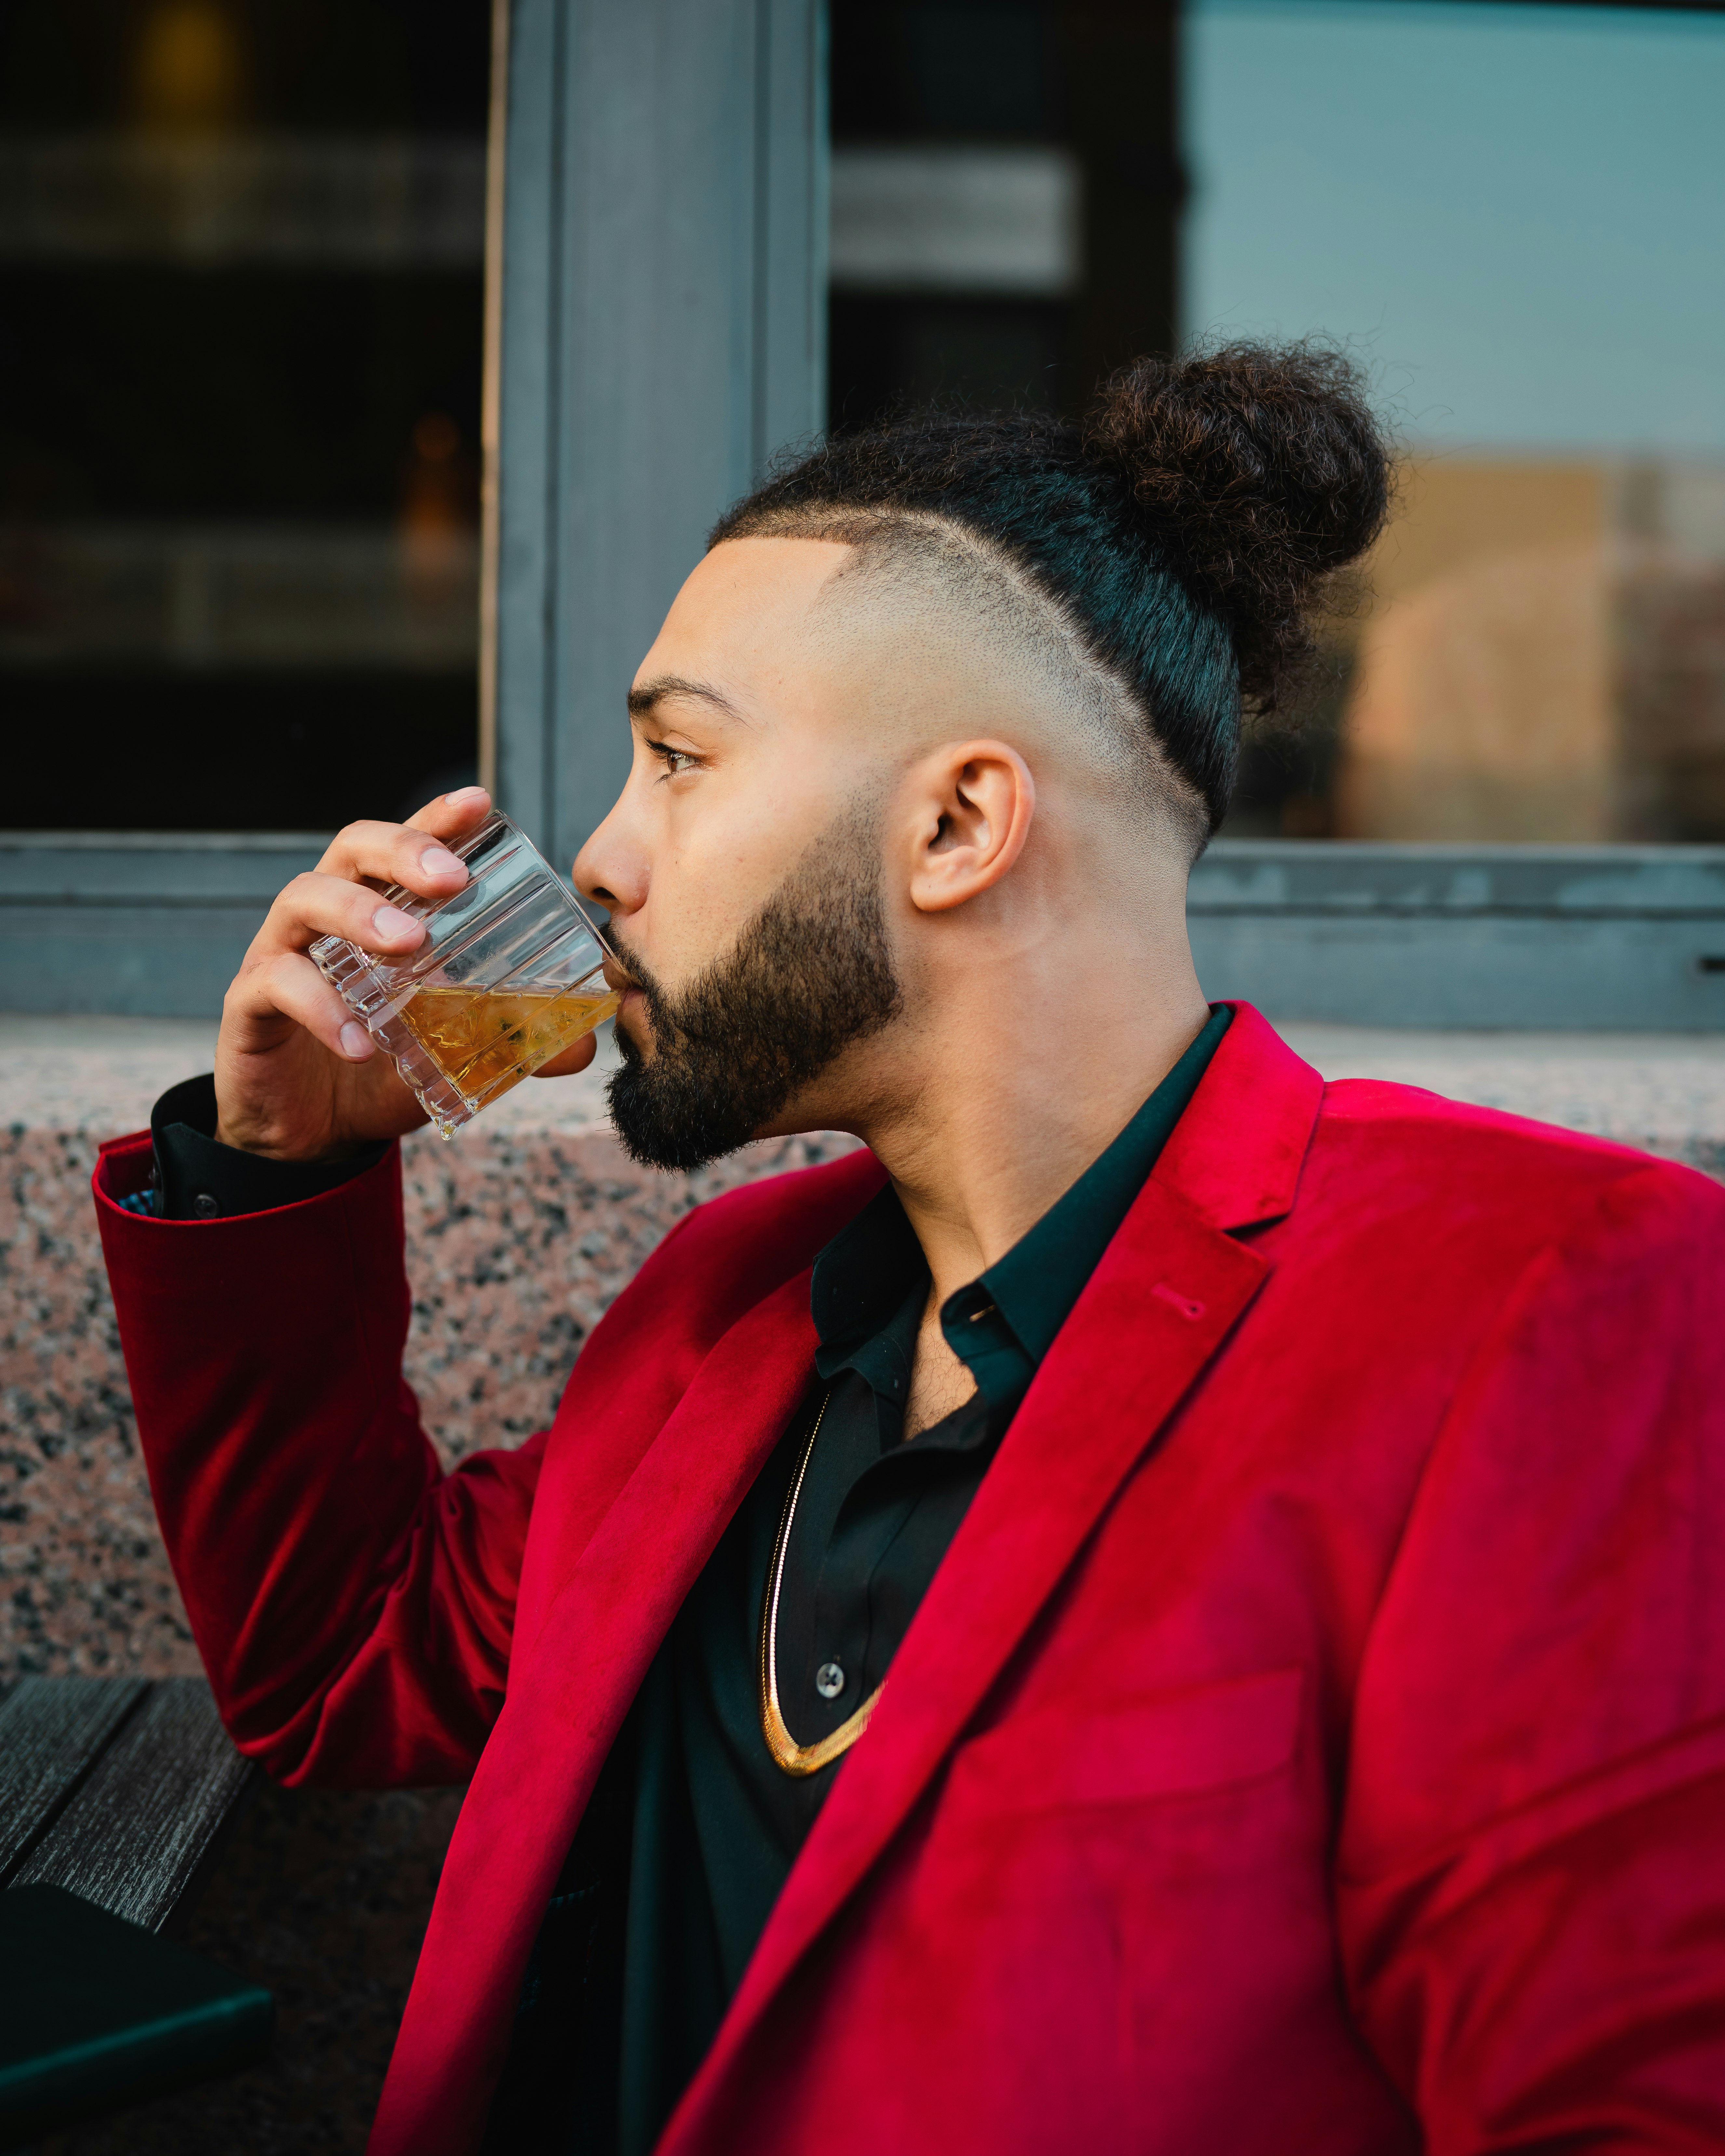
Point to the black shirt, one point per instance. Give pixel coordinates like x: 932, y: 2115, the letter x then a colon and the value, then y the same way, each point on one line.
x: 693, y: 1828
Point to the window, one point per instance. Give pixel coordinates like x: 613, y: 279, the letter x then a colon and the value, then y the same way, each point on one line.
x: 241, y: 314
x: 1512, y: 214
x: 242, y: 255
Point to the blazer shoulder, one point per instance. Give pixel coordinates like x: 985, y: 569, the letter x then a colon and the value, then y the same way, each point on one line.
x: 1382, y: 1128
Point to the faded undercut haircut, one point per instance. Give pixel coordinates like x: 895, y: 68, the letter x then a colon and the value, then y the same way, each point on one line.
x: 1164, y: 558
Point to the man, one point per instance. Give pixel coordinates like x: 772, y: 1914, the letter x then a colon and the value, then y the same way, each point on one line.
x: 1162, y: 1605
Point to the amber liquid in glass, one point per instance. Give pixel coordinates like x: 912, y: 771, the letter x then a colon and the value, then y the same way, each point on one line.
x: 479, y: 1037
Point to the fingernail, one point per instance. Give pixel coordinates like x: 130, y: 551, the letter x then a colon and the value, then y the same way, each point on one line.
x: 466, y: 797
x: 356, y: 1041
x: 438, y: 860
x: 390, y: 922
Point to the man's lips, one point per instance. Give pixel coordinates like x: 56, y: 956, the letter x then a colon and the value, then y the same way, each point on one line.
x: 633, y: 1022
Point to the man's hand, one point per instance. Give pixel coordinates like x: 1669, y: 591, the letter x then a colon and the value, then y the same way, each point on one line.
x: 297, y: 1076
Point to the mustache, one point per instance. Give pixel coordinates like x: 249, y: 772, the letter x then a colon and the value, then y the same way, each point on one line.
x: 639, y: 973
x: 661, y: 1017
x: 683, y: 1019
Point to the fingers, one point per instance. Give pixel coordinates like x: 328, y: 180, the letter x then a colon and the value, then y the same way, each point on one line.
x: 317, y: 904
x: 404, y: 853
x: 289, y: 985
x: 452, y: 815
x: 342, y: 896
x: 575, y: 1057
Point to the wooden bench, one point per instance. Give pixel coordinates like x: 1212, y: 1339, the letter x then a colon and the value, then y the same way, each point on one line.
x: 118, y: 1791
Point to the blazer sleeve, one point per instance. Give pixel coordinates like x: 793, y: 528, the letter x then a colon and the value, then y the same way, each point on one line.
x: 353, y: 1604
x: 1532, y: 1869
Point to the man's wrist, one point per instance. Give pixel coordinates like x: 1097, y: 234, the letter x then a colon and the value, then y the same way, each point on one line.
x: 335, y: 1158
x: 199, y: 1177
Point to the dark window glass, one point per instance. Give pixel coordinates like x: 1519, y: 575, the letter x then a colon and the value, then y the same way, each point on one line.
x: 241, y: 307
x: 1006, y: 183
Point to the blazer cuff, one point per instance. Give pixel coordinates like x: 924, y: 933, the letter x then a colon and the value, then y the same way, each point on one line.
x: 195, y: 1178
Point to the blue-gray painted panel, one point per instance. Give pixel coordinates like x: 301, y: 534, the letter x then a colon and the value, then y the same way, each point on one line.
x: 123, y: 961
x: 135, y: 924
x: 662, y: 331
x: 154, y: 869
x: 1539, y: 973
x: 1291, y: 876
x: 157, y: 924
x: 530, y: 405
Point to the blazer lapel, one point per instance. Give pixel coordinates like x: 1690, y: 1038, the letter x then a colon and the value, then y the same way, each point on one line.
x: 1159, y: 1306
x: 567, y: 1695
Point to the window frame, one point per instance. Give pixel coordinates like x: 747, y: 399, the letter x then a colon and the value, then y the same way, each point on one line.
x: 611, y: 444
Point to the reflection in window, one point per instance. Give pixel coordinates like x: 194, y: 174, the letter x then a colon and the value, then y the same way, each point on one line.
x: 241, y: 249
x: 1513, y: 213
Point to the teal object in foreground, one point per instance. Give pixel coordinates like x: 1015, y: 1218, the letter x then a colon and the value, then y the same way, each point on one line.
x: 96, y: 2013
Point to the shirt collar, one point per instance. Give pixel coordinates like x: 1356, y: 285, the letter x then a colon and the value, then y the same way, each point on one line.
x: 1035, y: 1284
x: 863, y: 1278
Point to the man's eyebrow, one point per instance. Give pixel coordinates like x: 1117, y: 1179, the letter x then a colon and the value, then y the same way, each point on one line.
x: 643, y: 699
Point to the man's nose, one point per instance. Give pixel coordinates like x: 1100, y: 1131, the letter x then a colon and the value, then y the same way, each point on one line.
x: 611, y: 869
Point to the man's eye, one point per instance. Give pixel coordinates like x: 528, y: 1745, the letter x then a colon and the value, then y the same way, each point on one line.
x: 674, y: 759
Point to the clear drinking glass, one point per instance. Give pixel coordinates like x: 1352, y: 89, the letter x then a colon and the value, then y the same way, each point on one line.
x: 507, y: 977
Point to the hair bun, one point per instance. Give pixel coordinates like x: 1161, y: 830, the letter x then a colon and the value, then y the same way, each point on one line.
x: 1262, y: 470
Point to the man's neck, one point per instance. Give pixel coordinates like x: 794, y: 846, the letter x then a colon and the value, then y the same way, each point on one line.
x: 1015, y: 1095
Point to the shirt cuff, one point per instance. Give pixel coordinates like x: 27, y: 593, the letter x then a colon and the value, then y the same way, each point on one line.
x: 196, y: 1179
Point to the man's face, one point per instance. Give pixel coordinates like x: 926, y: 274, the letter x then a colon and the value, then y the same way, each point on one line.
x: 742, y: 862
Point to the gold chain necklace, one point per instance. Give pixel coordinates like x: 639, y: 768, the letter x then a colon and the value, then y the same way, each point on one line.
x: 798, y: 1758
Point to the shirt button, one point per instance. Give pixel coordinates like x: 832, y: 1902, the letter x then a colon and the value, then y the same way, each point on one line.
x: 204, y: 1206
x: 829, y: 1679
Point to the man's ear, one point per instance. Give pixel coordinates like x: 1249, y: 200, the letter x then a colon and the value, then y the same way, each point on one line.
x: 972, y: 803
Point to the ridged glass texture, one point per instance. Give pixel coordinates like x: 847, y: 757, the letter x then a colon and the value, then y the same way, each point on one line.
x: 514, y: 929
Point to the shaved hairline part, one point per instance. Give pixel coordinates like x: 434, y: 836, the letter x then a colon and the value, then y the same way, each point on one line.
x: 887, y: 543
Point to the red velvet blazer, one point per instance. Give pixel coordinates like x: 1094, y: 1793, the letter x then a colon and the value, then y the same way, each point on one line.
x: 1312, y: 1744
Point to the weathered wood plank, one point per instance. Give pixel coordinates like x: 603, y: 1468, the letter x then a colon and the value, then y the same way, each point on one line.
x: 52, y: 1730
x: 133, y: 1838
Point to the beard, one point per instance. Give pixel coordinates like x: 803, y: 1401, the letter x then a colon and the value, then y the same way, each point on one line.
x: 808, y: 977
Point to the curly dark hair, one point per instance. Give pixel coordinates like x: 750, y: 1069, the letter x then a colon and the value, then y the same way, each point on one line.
x: 1186, y: 531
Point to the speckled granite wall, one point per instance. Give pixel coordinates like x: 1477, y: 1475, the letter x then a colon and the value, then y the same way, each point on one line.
x: 520, y: 1233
